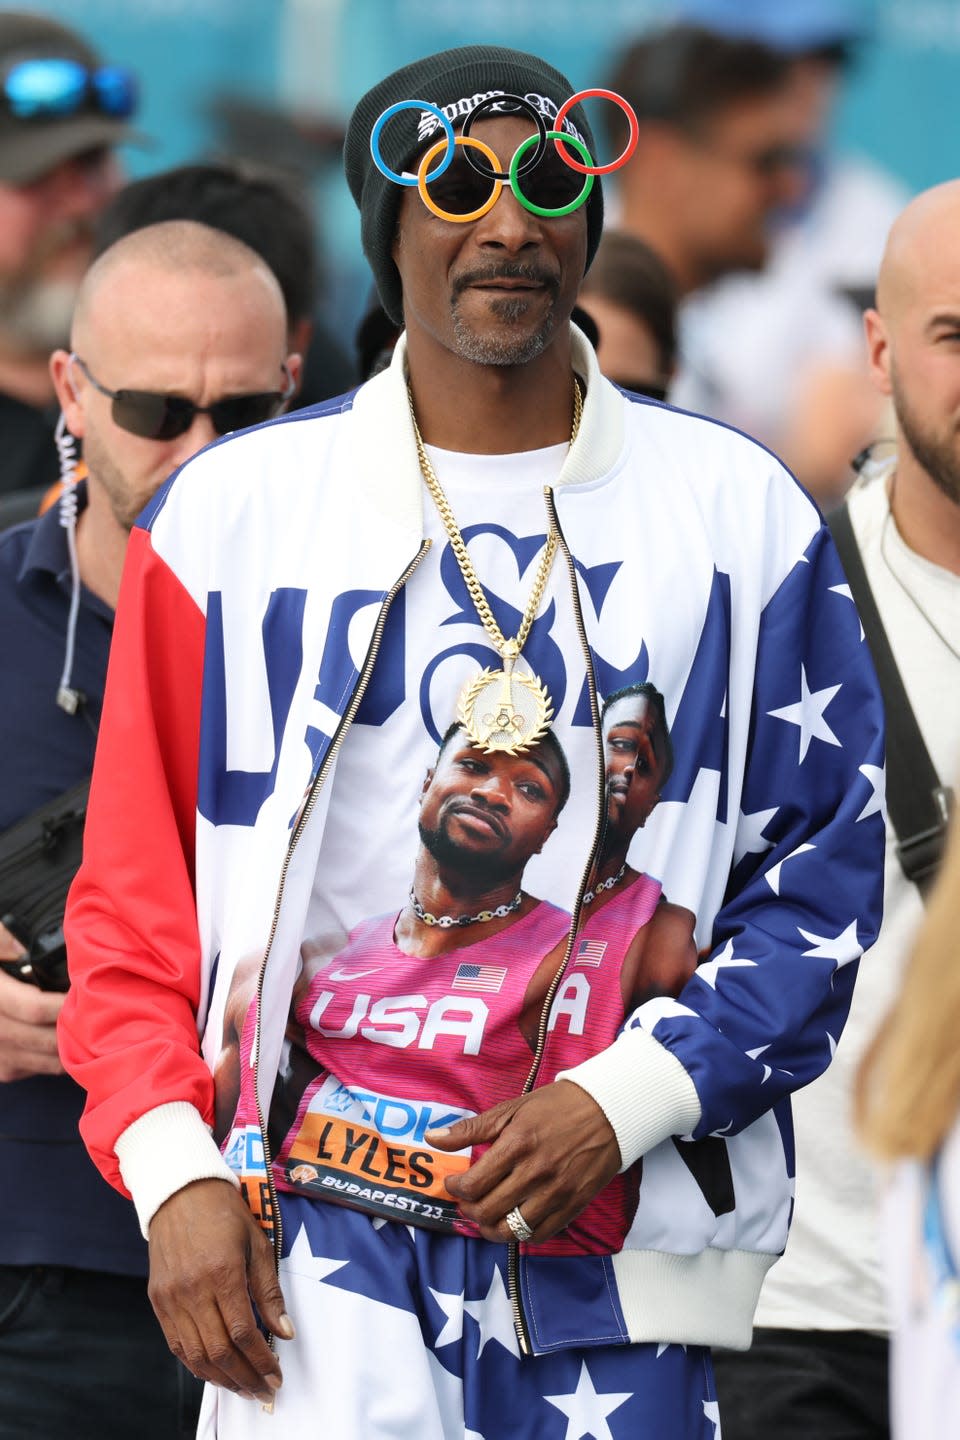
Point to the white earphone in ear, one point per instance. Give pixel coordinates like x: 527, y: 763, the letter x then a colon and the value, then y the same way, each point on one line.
x: 69, y: 698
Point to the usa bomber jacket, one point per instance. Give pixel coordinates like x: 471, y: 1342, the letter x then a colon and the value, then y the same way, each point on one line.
x: 258, y: 589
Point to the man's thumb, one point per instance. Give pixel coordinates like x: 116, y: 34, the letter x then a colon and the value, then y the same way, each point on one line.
x: 451, y: 1137
x: 266, y: 1293
x: 473, y: 1130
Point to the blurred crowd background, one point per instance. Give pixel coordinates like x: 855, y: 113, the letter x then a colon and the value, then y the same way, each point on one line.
x: 771, y: 341
x: 276, y: 79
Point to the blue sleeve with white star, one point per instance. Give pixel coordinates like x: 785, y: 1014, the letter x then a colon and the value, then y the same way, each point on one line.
x: 762, y: 1016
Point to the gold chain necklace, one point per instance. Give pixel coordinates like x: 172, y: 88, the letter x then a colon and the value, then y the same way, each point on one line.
x: 500, y: 710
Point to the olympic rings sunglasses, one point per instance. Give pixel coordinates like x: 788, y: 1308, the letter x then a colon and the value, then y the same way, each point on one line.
x: 155, y: 416
x: 462, y: 187
x: 51, y: 88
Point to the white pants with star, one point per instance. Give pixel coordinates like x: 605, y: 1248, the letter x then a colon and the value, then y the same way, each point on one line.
x: 405, y: 1334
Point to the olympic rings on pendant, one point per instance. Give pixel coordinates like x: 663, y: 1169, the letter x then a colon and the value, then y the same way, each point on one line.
x: 562, y: 140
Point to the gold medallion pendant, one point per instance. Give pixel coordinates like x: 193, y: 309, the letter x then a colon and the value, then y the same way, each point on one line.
x: 500, y: 710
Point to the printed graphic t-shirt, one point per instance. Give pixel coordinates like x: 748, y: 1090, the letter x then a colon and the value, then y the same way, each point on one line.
x: 383, y: 1044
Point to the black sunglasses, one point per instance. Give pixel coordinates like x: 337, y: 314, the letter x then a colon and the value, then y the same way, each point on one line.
x: 464, y: 186
x: 155, y: 416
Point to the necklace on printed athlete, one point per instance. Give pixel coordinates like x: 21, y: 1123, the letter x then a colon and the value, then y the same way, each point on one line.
x: 598, y: 889
x: 500, y: 710
x: 452, y: 922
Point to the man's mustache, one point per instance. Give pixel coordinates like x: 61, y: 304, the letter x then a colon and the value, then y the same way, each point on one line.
x: 506, y: 270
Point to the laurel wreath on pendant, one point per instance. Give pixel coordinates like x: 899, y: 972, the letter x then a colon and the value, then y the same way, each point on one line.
x: 480, y: 737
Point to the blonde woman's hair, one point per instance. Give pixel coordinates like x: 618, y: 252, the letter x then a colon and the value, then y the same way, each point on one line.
x: 908, y: 1087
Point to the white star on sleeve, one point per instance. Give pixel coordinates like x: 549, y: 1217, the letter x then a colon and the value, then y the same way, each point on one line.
x: 875, y: 776
x: 711, y: 1410
x: 709, y: 971
x: 848, y: 593
x: 750, y: 837
x: 843, y: 947
x: 772, y: 876
x: 755, y: 1055
x: 586, y: 1411
x: 494, y: 1317
x: 808, y: 714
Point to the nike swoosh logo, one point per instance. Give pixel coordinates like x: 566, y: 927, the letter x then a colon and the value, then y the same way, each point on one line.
x: 341, y: 974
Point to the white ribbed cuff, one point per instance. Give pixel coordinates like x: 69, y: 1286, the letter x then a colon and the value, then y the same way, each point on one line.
x: 165, y: 1149
x: 642, y: 1089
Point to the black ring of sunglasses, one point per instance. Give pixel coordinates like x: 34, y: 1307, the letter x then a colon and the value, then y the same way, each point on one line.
x: 518, y: 103
x: 155, y: 416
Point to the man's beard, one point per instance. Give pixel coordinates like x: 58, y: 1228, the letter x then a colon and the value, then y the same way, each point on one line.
x: 938, y: 456
x: 480, y: 872
x: 125, y: 504
x: 503, y: 348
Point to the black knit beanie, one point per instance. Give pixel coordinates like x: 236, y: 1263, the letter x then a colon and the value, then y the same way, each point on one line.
x: 455, y: 81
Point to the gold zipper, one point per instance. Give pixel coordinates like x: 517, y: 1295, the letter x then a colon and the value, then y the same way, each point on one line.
x: 513, y: 1253
x: 346, y: 720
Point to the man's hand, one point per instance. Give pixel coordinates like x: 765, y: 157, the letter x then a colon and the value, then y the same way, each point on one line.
x: 28, y: 1022
x: 208, y: 1260
x: 550, y: 1152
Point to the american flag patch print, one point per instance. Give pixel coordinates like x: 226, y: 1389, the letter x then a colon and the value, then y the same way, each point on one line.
x: 590, y: 952
x: 479, y: 977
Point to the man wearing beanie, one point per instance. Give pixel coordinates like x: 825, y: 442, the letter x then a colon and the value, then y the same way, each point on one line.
x: 470, y: 552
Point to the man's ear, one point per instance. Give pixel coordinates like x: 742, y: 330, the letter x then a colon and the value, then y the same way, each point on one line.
x: 427, y: 781
x: 878, y: 350
x: 63, y: 375
x: 546, y: 835
x: 294, y: 367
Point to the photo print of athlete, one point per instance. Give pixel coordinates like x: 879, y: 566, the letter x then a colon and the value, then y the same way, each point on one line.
x: 632, y: 943
x: 660, y: 954
x: 643, y: 938
x: 342, y: 1115
x: 638, y: 755
x: 413, y: 1023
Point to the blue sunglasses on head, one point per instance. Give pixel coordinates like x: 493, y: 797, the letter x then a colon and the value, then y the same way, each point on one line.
x: 51, y: 88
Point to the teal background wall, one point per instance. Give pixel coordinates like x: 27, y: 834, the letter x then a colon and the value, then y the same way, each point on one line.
x: 899, y: 105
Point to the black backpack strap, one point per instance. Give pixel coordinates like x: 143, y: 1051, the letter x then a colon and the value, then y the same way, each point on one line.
x: 918, y: 805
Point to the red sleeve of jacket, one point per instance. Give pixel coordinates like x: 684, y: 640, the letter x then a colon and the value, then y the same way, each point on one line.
x: 128, y: 1030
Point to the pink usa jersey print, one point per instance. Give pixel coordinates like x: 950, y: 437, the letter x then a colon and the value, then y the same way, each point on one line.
x: 400, y: 1045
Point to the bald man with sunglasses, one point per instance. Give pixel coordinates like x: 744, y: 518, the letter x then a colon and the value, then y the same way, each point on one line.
x: 180, y: 334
